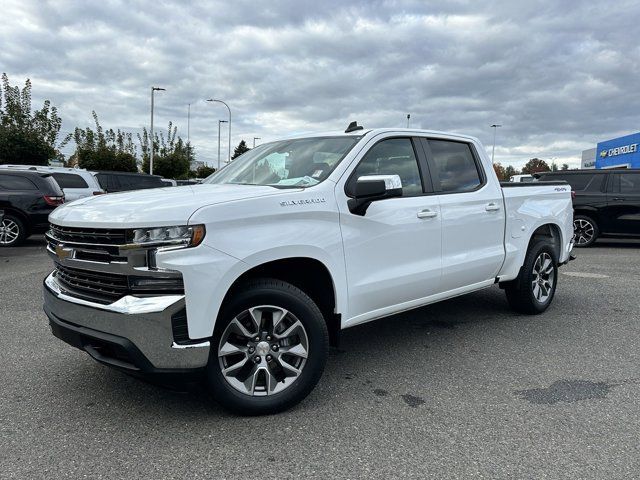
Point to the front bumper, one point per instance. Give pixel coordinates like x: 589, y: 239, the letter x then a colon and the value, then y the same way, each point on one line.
x: 133, y: 334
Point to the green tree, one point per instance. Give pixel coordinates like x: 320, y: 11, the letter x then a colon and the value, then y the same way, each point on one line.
x: 103, y: 150
x: 554, y: 167
x: 171, y: 155
x: 535, y: 165
x: 565, y: 166
x: 203, y: 171
x: 510, y: 171
x: 240, y: 149
x: 27, y: 137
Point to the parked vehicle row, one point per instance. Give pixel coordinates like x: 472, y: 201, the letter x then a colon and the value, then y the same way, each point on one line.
x: 606, y: 203
x: 19, y: 185
x: 245, y: 282
x: 26, y: 200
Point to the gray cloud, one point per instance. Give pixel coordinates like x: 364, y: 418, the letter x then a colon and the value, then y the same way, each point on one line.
x: 558, y: 75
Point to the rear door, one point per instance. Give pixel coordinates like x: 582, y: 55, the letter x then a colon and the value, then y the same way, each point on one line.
x: 472, y: 209
x: 623, y: 202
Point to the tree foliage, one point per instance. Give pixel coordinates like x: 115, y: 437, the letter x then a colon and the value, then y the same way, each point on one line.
x: 26, y: 137
x: 240, y: 149
x: 171, y: 155
x: 103, y: 150
x: 535, y: 165
x: 510, y: 171
x: 203, y: 171
x: 565, y: 166
x: 500, y: 171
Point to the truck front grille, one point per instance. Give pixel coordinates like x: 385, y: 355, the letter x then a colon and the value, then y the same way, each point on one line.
x: 97, y: 286
x: 102, y: 236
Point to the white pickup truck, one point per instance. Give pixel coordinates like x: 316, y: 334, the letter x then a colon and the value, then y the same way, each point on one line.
x: 245, y: 280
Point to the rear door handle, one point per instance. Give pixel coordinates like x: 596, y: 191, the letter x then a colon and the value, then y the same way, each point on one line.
x: 491, y: 207
x: 618, y: 199
x: 426, y: 213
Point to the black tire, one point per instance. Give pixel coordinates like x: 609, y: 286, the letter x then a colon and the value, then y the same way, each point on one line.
x: 521, y: 292
x: 11, y: 221
x: 268, y: 291
x: 585, y: 231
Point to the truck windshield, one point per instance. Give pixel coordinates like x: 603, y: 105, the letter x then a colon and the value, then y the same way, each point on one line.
x: 301, y: 162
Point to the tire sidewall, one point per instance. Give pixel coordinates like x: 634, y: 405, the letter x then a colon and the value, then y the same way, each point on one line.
x: 596, y: 230
x: 21, y: 231
x: 306, y: 311
x: 527, y: 277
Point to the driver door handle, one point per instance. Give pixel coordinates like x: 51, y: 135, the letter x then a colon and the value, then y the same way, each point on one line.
x: 492, y: 207
x: 426, y: 213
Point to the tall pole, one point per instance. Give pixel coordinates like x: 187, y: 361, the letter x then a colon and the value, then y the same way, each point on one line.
x: 188, y: 131
x: 408, y: 117
x: 229, y: 121
x: 254, y: 141
x: 495, y: 127
x: 153, y: 89
x: 219, y: 123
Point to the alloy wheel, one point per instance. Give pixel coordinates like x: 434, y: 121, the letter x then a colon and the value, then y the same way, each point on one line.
x: 583, y: 231
x: 263, y: 350
x: 9, y: 231
x: 543, y: 277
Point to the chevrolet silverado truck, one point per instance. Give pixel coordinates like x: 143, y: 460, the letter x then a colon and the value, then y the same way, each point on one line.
x: 245, y: 280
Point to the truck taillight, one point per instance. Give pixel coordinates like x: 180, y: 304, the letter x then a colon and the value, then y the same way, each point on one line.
x: 54, y: 201
x: 573, y: 195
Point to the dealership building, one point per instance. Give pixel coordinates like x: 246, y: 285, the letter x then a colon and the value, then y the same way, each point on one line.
x: 621, y: 152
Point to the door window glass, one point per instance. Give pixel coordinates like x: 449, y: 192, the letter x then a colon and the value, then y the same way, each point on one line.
x: 628, y: 183
x: 13, y: 182
x: 455, y: 166
x: 394, y: 156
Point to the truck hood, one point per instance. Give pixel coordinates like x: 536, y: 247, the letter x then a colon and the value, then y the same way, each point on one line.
x: 153, y: 207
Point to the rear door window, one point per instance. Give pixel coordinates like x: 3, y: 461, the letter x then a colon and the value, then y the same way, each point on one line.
x: 69, y: 180
x: 456, y: 169
x: 14, y: 182
x: 626, y: 183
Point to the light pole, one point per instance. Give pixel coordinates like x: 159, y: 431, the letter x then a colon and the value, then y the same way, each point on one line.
x: 153, y: 89
x: 229, y: 121
x: 254, y: 141
x: 188, y: 131
x: 219, y: 123
x: 495, y: 127
x: 408, y: 118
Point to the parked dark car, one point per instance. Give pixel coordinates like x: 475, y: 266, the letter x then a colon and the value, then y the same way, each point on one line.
x: 26, y: 199
x: 606, y: 203
x: 124, y: 181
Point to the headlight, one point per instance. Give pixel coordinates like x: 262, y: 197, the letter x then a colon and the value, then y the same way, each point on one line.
x: 182, y: 235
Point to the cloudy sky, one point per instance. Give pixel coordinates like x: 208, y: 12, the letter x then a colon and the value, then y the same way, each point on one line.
x: 558, y: 75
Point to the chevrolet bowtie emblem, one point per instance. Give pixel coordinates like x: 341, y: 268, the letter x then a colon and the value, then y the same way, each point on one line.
x: 63, y: 252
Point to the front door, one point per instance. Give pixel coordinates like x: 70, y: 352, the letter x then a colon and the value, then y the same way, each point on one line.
x: 392, y: 253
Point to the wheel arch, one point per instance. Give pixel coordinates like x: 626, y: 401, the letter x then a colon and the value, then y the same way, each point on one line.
x: 550, y: 232
x: 306, y: 273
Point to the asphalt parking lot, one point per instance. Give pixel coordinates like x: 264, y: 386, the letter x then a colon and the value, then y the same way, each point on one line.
x: 462, y: 389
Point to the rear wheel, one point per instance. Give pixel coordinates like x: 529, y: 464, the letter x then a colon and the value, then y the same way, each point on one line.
x: 12, y: 231
x: 585, y: 231
x: 533, y: 291
x: 269, y: 349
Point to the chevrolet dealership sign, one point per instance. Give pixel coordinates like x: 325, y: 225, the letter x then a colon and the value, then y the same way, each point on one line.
x: 619, y: 152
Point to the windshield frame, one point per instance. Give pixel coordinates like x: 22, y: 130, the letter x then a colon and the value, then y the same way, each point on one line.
x: 266, y: 146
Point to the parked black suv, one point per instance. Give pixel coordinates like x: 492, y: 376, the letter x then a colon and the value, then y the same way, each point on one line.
x: 607, y: 202
x: 124, y: 181
x: 26, y: 199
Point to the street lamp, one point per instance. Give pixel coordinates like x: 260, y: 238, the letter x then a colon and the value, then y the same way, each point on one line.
x: 153, y: 89
x: 229, y: 121
x: 219, y: 123
x: 495, y: 127
x: 254, y: 141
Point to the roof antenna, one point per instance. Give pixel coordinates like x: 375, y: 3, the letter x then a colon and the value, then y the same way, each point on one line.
x: 353, y: 126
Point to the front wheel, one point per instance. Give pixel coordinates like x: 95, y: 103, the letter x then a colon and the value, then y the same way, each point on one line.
x: 533, y: 291
x: 269, y: 348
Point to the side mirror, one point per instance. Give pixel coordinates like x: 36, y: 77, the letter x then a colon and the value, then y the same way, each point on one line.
x: 370, y: 188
